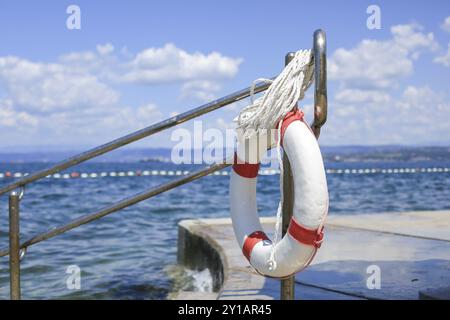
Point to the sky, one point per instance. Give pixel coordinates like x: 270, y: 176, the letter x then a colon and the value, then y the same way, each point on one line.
x: 134, y: 63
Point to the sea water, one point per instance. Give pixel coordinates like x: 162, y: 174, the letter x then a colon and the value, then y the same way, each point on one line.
x: 131, y: 254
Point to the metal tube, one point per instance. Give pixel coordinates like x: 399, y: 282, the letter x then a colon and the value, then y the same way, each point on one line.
x: 120, y: 205
x: 137, y: 135
x: 320, y: 75
x: 14, y: 246
x: 320, y: 117
x: 287, y: 286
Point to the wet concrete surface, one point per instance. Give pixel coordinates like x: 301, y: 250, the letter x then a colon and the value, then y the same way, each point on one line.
x: 410, y: 251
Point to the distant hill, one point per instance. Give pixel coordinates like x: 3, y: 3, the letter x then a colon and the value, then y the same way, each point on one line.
x: 330, y: 154
x: 120, y: 155
x: 386, y: 153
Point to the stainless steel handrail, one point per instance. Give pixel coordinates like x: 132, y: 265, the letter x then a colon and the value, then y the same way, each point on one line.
x: 320, y: 77
x: 135, y: 136
x: 320, y: 116
x: 120, y: 205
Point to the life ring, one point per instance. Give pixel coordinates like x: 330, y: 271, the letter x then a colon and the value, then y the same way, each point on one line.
x: 305, y: 233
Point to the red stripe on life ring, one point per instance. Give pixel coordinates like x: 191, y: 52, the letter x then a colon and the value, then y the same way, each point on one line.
x: 290, y: 117
x: 246, y: 170
x: 251, y: 241
x: 304, y: 235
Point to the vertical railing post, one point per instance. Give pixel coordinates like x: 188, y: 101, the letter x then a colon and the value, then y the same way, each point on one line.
x: 14, y: 245
x: 320, y: 81
x: 288, y: 284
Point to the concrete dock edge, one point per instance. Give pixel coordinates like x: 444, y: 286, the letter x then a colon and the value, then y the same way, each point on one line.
x: 411, y: 248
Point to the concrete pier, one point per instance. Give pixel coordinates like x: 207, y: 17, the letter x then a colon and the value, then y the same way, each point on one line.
x: 410, y: 250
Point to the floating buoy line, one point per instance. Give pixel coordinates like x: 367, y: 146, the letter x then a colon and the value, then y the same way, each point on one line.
x: 264, y: 172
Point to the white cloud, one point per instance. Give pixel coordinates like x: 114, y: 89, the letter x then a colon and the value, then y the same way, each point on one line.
x: 202, y: 90
x: 170, y: 64
x: 378, y: 64
x: 44, y: 87
x: 419, y: 99
x: 77, y: 126
x: 411, y: 37
x: 362, y: 96
x: 76, y: 98
x: 445, y: 58
x: 58, y: 102
x: 371, y: 107
x: 105, y: 49
x: 102, y: 62
x: 200, y: 75
x: 85, y: 57
x: 417, y: 115
x: 12, y: 118
x: 446, y: 24
x: 128, y: 118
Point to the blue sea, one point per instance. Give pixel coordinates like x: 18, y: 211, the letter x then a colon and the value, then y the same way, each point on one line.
x: 131, y: 254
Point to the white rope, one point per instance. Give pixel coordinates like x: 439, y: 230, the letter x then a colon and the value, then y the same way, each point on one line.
x: 264, y: 113
x: 281, y: 97
x: 277, y: 234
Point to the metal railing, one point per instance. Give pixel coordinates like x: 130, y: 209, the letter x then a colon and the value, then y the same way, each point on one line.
x: 16, y: 249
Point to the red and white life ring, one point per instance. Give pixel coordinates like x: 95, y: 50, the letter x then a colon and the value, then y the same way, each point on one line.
x: 305, y: 233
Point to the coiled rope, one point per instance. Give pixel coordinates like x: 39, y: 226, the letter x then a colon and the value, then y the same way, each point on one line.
x: 281, y: 97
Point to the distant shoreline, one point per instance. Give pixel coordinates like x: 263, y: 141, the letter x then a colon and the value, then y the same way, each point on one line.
x: 330, y: 154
